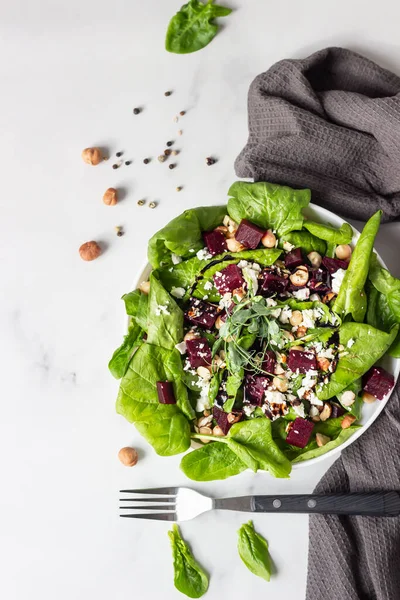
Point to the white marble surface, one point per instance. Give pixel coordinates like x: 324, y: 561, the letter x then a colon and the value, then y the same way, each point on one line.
x: 70, y: 74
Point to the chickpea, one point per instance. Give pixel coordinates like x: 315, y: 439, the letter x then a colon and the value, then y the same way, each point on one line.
x: 218, y: 362
x: 145, y: 287
x: 300, y: 277
x: 234, y: 246
x: 343, y: 252
x: 268, y: 239
x: 190, y: 335
x: 368, y: 398
x: 218, y: 431
x: 281, y: 383
x: 296, y: 318
x: 128, y: 456
x: 315, y: 259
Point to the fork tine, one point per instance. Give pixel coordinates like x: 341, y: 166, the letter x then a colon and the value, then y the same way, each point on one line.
x: 159, y: 500
x: 166, y: 491
x: 161, y: 508
x: 156, y: 517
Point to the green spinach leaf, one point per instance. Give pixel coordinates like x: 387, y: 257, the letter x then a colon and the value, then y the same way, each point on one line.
x: 193, y: 27
x: 367, y: 345
x: 233, y: 383
x: 351, y: 299
x: 315, y: 451
x: 304, y: 240
x: 213, y: 461
x: 165, y: 317
x: 189, y: 577
x: 330, y: 234
x: 268, y: 205
x: 253, y: 550
x: 120, y: 359
x: 137, y: 306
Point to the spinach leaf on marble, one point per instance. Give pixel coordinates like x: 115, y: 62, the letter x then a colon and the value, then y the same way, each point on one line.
x: 193, y: 26
x: 253, y: 550
x: 189, y: 577
x: 211, y: 462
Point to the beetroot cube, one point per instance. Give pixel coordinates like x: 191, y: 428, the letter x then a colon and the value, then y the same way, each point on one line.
x: 300, y: 433
x: 333, y: 264
x: 301, y: 361
x: 294, y: 258
x: 201, y: 314
x: 215, y: 241
x: 337, y: 410
x: 221, y: 418
x: 254, y: 389
x: 199, y: 353
x: 269, y: 361
x: 228, y: 279
x: 249, y: 234
x: 272, y: 283
x: 165, y: 392
x: 378, y: 382
x: 320, y: 281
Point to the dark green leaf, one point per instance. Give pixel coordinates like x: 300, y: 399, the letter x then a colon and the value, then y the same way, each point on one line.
x: 304, y: 240
x: 330, y: 234
x: 213, y: 461
x: 189, y: 577
x: 253, y: 550
x: 233, y: 383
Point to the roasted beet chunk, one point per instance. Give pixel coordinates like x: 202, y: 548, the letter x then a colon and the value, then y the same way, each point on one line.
x: 269, y: 361
x: 228, y: 279
x: 294, y: 258
x: 249, y: 234
x: 378, y: 382
x: 320, y: 281
x: 300, y: 433
x: 201, y: 314
x: 215, y: 241
x: 165, y: 392
x: 272, y: 283
x: 301, y: 361
x: 222, y: 418
x: 333, y: 264
x: 199, y: 353
x: 337, y: 410
x: 254, y: 389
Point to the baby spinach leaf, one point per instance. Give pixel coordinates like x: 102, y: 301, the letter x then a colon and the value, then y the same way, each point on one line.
x: 330, y: 250
x: 137, y: 306
x: 193, y: 27
x: 369, y: 345
x: 268, y: 205
x: 379, y: 313
x: 183, y: 235
x: 165, y: 317
x: 189, y: 577
x: 253, y: 550
x: 315, y: 451
x: 213, y: 461
x: 233, y: 383
x: 252, y: 441
x: 304, y: 240
x: 351, y: 299
x: 330, y: 234
x: 215, y: 384
x: 120, y: 359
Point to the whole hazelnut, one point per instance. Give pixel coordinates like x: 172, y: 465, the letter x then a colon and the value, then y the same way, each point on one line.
x: 92, y: 156
x: 128, y: 456
x: 110, y: 197
x: 89, y: 251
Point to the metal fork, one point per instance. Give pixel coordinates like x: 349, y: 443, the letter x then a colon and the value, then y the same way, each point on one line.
x: 182, y: 504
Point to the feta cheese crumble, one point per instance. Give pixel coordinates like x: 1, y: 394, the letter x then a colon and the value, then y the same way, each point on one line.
x: 162, y: 308
x: 176, y: 259
x: 203, y: 254
x: 287, y: 246
x: 302, y: 294
x: 250, y: 276
x: 208, y: 286
x: 181, y: 347
x: 285, y: 315
x: 350, y: 343
x: 178, y: 292
x: 337, y: 280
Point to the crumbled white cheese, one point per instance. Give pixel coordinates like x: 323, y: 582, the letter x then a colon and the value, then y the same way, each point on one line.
x: 225, y: 301
x: 315, y: 401
x: 271, y: 302
x: 202, y: 403
x: 350, y: 342
x: 287, y: 246
x: 242, y: 264
x: 314, y: 298
x: 314, y: 412
x: 162, y: 308
x: 191, y: 250
x: 337, y: 279
x: 251, y: 278
x: 248, y: 409
x: 181, y: 347
x: 178, y: 292
x: 285, y: 315
x: 203, y: 254
x: 302, y: 294
x: 310, y: 379
x: 176, y: 259
x: 275, y: 397
x: 256, y: 267
x: 276, y: 313
x: 308, y: 318
x: 299, y: 410
x: 208, y: 285
x: 327, y: 353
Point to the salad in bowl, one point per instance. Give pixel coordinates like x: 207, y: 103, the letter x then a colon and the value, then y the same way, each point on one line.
x: 257, y: 334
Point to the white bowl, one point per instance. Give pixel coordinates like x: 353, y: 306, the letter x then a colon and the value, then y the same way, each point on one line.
x: 369, y: 411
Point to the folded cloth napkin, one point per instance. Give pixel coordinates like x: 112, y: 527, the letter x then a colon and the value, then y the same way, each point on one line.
x: 357, y: 558
x: 330, y: 122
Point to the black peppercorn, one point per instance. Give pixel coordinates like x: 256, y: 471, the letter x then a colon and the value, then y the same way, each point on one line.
x: 167, y: 152
x: 169, y: 144
x: 136, y: 111
x: 167, y: 93
x: 119, y: 154
x: 146, y: 161
x: 115, y: 166
x: 120, y: 233
x: 182, y: 113
x: 210, y: 161
x: 172, y: 166
x: 128, y: 162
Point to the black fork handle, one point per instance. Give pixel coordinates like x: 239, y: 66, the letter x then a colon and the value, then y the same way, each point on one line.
x: 372, y: 504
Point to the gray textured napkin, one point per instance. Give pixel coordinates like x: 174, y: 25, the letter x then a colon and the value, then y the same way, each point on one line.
x: 330, y: 122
